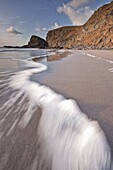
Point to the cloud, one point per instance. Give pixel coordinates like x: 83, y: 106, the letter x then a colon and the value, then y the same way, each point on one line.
x: 16, y: 17
x: 3, y: 23
x: 77, y: 11
x: 9, y: 39
x: 12, y: 30
x: 55, y: 26
x: 41, y: 29
x: 22, y: 22
x: 44, y: 30
x: 79, y: 3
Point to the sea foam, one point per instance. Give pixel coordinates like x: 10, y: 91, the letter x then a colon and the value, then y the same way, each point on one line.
x: 69, y: 140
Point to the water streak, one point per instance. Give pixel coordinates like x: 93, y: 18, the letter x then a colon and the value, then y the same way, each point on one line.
x: 69, y: 140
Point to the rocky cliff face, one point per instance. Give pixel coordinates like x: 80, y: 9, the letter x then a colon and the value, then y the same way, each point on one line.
x: 37, y: 42
x: 60, y: 36
x: 97, y: 32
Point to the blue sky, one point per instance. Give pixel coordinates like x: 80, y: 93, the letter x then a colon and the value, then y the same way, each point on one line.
x: 19, y: 19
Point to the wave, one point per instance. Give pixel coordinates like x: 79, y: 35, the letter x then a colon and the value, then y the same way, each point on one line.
x: 68, y: 139
x: 2, y: 49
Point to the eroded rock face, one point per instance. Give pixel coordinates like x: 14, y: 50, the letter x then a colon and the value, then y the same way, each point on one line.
x: 58, y: 38
x: 97, y: 32
x: 37, y: 42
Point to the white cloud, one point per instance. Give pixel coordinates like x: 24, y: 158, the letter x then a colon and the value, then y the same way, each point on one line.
x: 79, y: 3
x: 10, y: 39
x: 44, y: 30
x: 3, y: 23
x: 41, y: 29
x: 55, y: 26
x: 13, y: 31
x: 16, y: 17
x: 22, y: 22
x: 77, y: 11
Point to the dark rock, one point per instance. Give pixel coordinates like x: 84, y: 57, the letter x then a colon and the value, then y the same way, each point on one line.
x: 37, y: 42
x: 24, y: 46
x: 8, y: 46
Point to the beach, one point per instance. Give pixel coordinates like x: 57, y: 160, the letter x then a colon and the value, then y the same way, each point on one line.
x: 33, y: 84
x: 88, y: 80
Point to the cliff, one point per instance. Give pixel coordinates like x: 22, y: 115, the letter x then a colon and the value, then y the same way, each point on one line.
x: 97, y: 32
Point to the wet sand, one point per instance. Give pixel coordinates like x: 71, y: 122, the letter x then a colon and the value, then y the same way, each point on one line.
x: 88, y: 80
x: 79, y: 76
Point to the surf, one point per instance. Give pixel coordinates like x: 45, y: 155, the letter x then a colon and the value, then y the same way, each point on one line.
x: 68, y: 139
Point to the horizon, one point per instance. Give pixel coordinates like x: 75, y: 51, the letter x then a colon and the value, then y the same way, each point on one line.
x: 17, y: 24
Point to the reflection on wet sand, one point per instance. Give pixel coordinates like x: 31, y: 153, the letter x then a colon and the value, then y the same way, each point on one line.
x: 57, y: 56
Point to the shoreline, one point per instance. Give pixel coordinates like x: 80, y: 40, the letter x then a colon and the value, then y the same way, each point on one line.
x: 86, y: 80
x: 73, y: 75
x: 75, y: 48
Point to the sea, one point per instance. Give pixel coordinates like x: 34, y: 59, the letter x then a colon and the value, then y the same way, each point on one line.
x: 40, y: 129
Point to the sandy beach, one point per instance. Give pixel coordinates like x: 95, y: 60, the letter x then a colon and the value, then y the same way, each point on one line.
x: 35, y: 88
x: 88, y: 80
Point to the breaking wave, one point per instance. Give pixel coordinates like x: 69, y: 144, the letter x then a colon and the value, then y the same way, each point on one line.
x: 68, y: 139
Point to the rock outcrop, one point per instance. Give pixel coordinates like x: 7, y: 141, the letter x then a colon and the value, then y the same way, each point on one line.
x: 97, y: 32
x: 37, y: 42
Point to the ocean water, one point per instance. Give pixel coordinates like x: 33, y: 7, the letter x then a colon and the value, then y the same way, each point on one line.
x: 39, y: 128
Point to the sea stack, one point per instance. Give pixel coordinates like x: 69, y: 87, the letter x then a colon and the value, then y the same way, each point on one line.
x: 37, y: 42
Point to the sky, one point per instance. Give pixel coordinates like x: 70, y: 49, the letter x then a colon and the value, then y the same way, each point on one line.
x: 19, y: 19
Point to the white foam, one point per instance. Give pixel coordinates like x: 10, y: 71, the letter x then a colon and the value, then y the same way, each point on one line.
x: 109, y: 61
x: 111, y: 69
x: 91, y: 55
x: 44, y: 55
x: 70, y: 141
